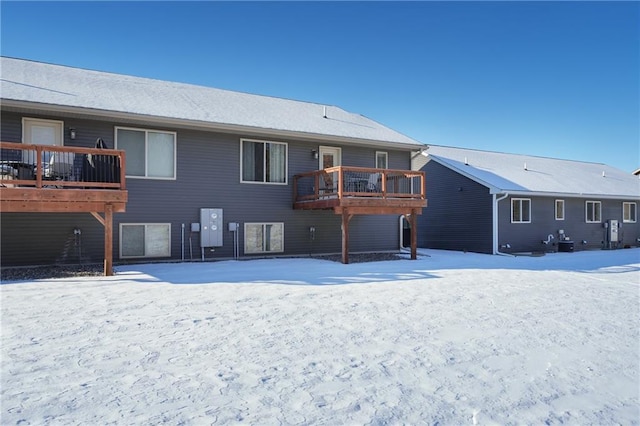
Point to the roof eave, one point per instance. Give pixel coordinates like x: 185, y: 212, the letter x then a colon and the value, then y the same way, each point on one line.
x: 492, y: 189
x: 206, y: 125
x: 566, y: 195
x: 519, y: 192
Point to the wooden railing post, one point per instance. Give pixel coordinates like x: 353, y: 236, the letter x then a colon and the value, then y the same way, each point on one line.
x: 123, y: 173
x: 39, y: 170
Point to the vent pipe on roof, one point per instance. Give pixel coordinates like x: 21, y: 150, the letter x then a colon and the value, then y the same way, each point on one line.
x: 324, y: 111
x: 466, y: 163
x: 525, y: 166
x: 603, y: 174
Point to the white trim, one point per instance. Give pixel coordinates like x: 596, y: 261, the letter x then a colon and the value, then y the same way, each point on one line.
x: 586, y: 211
x: 635, y: 212
x: 244, y: 242
x: 168, y: 225
x: 43, y: 122
x: 496, y: 223
x: 146, y: 150
x: 334, y: 149
x: 264, y: 181
x: 386, y: 159
x: 521, y: 210
x: 555, y: 204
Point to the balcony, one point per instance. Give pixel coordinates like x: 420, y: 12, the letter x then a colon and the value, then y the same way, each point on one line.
x: 63, y: 179
x: 43, y: 178
x: 358, y: 190
x: 361, y: 190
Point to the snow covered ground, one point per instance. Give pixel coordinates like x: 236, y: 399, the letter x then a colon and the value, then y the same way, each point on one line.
x: 449, y: 339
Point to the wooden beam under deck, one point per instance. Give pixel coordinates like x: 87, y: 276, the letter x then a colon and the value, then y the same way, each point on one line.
x: 49, y: 200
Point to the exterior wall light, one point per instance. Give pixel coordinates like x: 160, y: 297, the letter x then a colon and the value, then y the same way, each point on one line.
x: 72, y: 133
x: 314, y: 154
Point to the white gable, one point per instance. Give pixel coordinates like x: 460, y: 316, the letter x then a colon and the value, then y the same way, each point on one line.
x: 515, y: 173
x: 28, y: 81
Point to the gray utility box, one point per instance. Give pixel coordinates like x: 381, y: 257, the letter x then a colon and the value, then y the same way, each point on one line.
x: 210, y: 227
x: 612, y: 230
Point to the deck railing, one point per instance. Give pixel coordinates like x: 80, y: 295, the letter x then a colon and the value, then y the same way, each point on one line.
x: 344, y: 181
x: 47, y: 166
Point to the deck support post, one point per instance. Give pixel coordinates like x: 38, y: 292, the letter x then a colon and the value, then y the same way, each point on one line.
x: 346, y: 217
x: 108, y: 240
x: 413, y: 223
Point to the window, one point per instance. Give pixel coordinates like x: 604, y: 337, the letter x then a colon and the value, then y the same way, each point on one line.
x: 629, y: 212
x: 263, y: 237
x: 262, y: 161
x: 593, y: 212
x: 521, y: 210
x: 382, y: 160
x: 559, y: 209
x: 150, y: 153
x: 145, y: 240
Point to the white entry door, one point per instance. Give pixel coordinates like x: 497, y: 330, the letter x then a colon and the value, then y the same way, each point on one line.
x: 41, y: 132
x: 330, y: 156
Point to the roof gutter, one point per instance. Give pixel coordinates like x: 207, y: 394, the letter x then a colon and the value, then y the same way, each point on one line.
x: 495, y: 224
x: 165, y: 122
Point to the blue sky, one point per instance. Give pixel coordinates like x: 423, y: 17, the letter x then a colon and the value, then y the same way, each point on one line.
x: 556, y: 79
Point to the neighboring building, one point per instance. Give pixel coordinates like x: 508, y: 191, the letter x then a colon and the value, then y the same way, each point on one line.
x: 190, y: 148
x: 491, y: 202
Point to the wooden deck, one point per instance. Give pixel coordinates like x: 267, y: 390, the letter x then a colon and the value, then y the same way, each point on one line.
x: 359, y: 190
x: 56, y: 179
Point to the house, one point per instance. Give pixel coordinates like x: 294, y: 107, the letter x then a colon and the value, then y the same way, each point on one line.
x: 206, y: 173
x: 493, y: 202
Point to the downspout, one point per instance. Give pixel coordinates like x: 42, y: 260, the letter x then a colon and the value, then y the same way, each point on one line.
x: 495, y: 224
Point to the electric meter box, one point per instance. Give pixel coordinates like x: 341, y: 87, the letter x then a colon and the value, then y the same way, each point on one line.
x: 612, y: 230
x: 210, y: 227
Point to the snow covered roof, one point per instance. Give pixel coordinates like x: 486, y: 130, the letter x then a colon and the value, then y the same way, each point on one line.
x: 520, y: 174
x: 54, y: 86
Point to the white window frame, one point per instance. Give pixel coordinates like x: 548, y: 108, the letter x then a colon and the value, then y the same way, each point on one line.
x: 385, y: 155
x: 596, y: 207
x: 263, y: 224
x: 264, y: 168
x: 520, y: 201
x: 561, y: 203
x: 146, y: 255
x: 626, y: 212
x: 146, y: 151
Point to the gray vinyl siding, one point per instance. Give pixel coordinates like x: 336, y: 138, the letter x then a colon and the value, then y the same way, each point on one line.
x: 458, y: 214
x: 207, y: 176
x: 525, y: 237
x: 48, y: 238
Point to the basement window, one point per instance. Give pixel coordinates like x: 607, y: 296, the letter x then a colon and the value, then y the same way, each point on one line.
x: 145, y: 240
x: 263, y: 238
